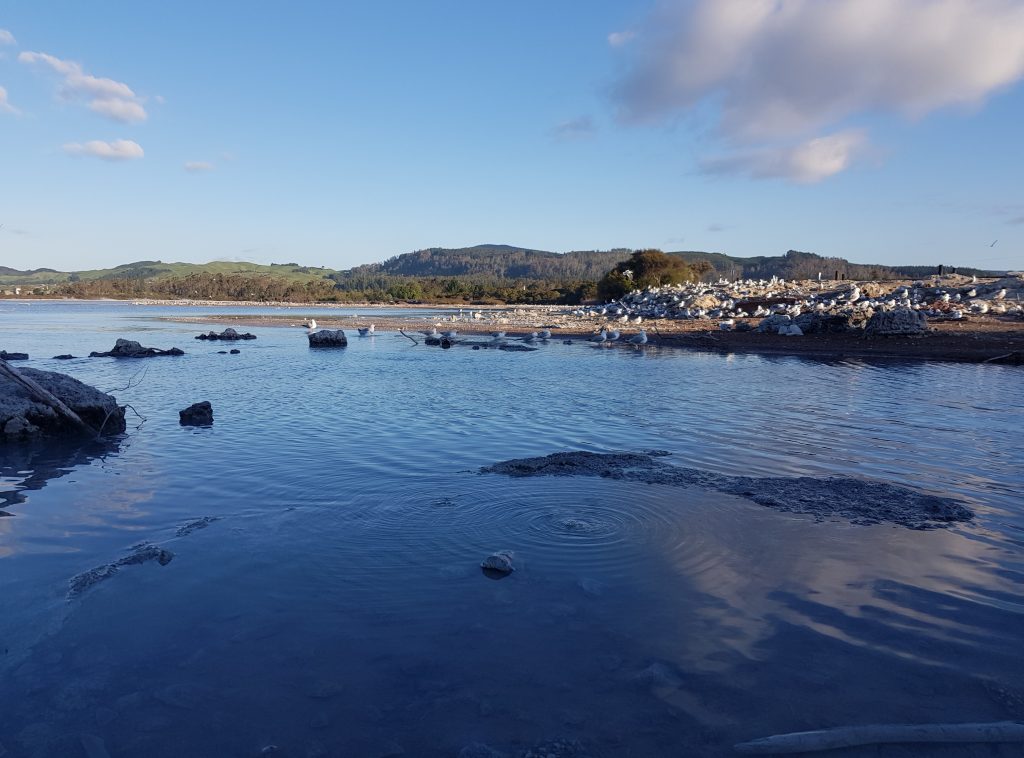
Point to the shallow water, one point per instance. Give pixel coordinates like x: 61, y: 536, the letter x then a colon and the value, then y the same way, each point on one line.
x: 336, y: 605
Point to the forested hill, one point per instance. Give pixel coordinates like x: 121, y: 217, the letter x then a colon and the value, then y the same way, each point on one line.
x: 497, y: 262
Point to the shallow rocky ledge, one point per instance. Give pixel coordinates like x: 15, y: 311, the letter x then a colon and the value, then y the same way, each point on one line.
x: 24, y: 415
x: 131, y: 349
x: 858, y: 501
x: 228, y: 334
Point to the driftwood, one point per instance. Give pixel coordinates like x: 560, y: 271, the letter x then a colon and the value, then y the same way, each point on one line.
x: 877, y: 734
x: 406, y: 335
x: 45, y: 397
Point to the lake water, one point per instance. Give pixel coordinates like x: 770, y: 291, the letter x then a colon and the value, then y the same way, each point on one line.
x: 336, y: 607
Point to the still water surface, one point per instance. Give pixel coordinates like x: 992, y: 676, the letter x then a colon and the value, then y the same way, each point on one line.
x: 336, y: 607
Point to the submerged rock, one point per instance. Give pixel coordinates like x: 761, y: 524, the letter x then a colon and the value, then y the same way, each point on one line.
x: 501, y: 562
x: 5, y: 356
x: 64, y: 357
x: 143, y: 553
x: 22, y: 414
x: 131, y: 349
x: 328, y: 338
x: 197, y: 414
x: 857, y: 501
x: 898, y: 322
x: 228, y: 334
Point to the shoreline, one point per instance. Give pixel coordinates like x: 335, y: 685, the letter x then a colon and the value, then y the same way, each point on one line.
x: 977, y: 340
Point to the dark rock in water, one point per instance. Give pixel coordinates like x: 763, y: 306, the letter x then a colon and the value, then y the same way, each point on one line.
x: 143, y: 553
x: 500, y: 562
x: 234, y: 351
x: 65, y: 357
x: 131, y: 349
x: 222, y: 352
x: 228, y: 334
x: 900, y: 322
x: 857, y: 501
x: 5, y: 356
x: 328, y: 338
x: 195, y: 525
x: 22, y: 414
x: 197, y: 414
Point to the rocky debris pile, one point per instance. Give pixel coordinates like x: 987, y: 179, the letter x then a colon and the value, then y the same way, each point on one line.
x: 857, y: 501
x: 940, y: 297
x: 140, y: 554
x: 5, y: 356
x: 899, y: 322
x: 197, y: 414
x: 131, y: 349
x: 24, y: 414
x: 328, y: 338
x: 228, y: 334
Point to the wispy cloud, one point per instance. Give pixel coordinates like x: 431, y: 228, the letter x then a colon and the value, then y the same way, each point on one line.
x: 5, y: 105
x: 718, y: 228
x: 196, y: 167
x: 118, y: 150
x: 770, y: 70
x: 574, y: 129
x: 621, y: 39
x: 804, y: 163
x: 107, y: 97
x: 6, y: 38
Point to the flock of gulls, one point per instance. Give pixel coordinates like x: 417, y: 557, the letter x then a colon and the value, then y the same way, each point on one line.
x: 951, y: 297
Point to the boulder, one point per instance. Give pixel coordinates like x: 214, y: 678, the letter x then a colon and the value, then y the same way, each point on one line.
x: 5, y: 356
x: 826, y: 323
x: 22, y: 414
x: 328, y: 338
x: 197, y: 414
x: 228, y: 334
x: 64, y: 357
x: 900, y: 322
x: 131, y: 349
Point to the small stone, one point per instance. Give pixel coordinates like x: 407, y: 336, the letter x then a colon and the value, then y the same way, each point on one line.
x: 500, y: 561
x: 234, y: 351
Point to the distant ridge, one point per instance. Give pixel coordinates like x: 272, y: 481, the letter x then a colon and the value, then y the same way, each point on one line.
x: 486, y: 262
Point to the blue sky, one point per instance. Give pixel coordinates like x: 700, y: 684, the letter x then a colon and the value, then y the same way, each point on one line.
x: 343, y: 133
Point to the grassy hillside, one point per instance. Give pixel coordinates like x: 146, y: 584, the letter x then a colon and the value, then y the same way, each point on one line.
x: 159, y: 270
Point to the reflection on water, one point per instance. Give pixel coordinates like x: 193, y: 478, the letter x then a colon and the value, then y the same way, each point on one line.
x: 336, y: 605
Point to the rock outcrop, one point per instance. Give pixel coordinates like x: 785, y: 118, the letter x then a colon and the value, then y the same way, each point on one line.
x: 197, y: 414
x: 5, y: 356
x: 228, y: 334
x: 22, y: 414
x: 900, y: 322
x: 328, y: 338
x: 131, y: 349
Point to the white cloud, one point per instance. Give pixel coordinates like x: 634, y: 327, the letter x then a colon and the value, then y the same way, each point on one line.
x: 108, y: 97
x: 788, y: 67
x: 118, y: 150
x: 620, y: 39
x: 5, y: 106
x: 195, y: 167
x: 805, y: 163
x: 769, y: 70
x: 6, y: 38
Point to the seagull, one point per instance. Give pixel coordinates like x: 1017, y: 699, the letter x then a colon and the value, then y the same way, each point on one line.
x: 310, y: 324
x: 639, y: 339
x: 450, y: 334
x: 600, y: 337
x: 366, y: 331
x: 613, y: 335
x: 497, y: 335
x: 545, y: 334
x: 530, y: 337
x: 431, y: 333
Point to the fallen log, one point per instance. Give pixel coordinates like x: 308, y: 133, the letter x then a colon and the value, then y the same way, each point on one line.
x: 879, y: 734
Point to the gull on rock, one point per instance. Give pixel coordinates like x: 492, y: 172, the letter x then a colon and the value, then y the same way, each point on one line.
x: 639, y: 339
